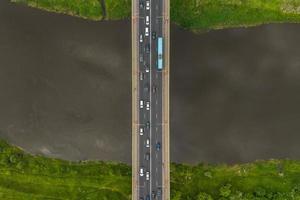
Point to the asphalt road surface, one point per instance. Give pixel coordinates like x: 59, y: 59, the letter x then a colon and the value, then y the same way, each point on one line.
x: 150, y: 101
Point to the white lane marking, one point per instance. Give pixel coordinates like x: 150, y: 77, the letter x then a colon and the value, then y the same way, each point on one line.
x: 156, y: 102
x: 150, y: 66
x: 156, y: 75
x: 156, y: 129
x: 156, y: 115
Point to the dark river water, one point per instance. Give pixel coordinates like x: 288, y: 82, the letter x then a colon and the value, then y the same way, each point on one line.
x: 65, y: 89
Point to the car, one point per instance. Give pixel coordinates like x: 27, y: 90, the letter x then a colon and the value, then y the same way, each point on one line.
x: 148, y: 125
x: 147, y: 143
x: 146, y: 31
x: 141, y: 38
x: 153, y: 194
x: 142, y: 76
x: 141, y: 198
x: 147, y: 176
x: 147, y: 68
x: 147, y: 156
x: 158, y: 146
x: 141, y: 171
x: 147, y: 48
x: 159, y: 191
x: 147, y: 20
x: 147, y: 5
x: 147, y: 88
x: 141, y: 131
x: 154, y: 89
x: 153, y: 35
x: 141, y: 104
x: 148, y: 197
x: 141, y: 58
x: 142, y: 5
x: 147, y: 105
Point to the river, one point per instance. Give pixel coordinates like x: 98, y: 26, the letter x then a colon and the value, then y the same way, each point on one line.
x: 66, y: 89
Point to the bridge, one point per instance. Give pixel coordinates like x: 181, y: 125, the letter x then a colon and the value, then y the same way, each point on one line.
x: 150, y: 100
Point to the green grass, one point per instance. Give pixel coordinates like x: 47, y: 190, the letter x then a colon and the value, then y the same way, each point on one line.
x: 88, y: 9
x: 195, y: 15
x: 118, y: 9
x: 27, y: 177
x: 199, y: 15
x: 23, y: 176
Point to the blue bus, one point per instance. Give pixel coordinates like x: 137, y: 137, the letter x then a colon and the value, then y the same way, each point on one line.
x: 160, y: 53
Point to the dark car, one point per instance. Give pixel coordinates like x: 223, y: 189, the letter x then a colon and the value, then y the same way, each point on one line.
x: 142, y: 5
x: 153, y: 195
x: 141, y: 198
x: 154, y: 89
x: 153, y: 35
x: 148, y: 197
x: 148, y: 124
x: 158, y: 146
x: 147, y: 156
x: 147, y: 48
x: 147, y: 88
x: 158, y: 192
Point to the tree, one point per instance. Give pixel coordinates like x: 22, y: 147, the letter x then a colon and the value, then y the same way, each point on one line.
x: 204, y: 196
x: 225, y: 190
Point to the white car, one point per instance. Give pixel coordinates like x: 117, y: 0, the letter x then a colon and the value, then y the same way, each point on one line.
x: 141, y: 38
x: 148, y: 143
x: 147, y: 69
x: 141, y: 171
x: 147, y: 5
x: 141, y: 76
x: 141, y: 131
x: 148, y: 105
x: 147, y: 20
x: 141, y: 104
x: 147, y: 31
x: 147, y: 176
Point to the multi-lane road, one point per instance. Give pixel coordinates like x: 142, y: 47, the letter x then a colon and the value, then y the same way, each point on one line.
x: 150, y: 99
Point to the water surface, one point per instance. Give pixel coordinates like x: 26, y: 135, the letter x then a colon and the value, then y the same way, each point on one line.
x: 66, y: 89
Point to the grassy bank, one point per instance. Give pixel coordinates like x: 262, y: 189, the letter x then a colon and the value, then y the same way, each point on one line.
x: 200, y: 15
x: 24, y: 176
x: 196, y: 15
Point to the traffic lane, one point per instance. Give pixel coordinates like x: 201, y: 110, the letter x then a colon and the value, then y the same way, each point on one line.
x: 144, y: 117
x: 157, y: 136
x: 146, y: 97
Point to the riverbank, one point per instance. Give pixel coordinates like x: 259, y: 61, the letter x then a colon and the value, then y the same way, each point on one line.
x: 25, y: 176
x: 196, y: 15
